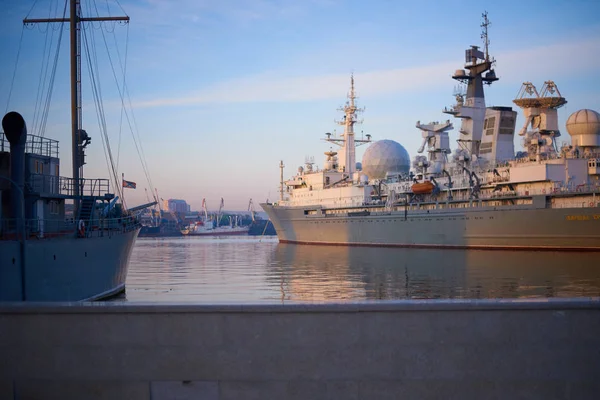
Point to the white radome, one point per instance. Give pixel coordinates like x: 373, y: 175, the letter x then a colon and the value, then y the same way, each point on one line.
x: 385, y: 156
x: 584, y: 128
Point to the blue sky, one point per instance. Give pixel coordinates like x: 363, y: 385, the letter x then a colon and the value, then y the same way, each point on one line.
x: 221, y: 91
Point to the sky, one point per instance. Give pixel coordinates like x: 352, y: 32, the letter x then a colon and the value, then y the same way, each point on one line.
x: 218, y: 92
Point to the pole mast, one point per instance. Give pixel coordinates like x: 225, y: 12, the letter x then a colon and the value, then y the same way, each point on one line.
x: 78, y: 143
x: 75, y: 36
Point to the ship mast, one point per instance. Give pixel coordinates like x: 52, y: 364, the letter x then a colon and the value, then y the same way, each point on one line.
x: 484, y: 35
x: 281, y: 166
x: 347, y: 162
x: 472, y: 109
x: 348, y: 153
x: 79, y: 138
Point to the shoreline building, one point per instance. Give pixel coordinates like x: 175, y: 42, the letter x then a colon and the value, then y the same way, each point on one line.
x: 176, y: 205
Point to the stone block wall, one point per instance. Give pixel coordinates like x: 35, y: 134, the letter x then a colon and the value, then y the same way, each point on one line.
x: 494, y: 349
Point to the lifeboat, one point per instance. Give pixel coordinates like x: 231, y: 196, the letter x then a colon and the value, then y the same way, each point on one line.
x: 422, y: 187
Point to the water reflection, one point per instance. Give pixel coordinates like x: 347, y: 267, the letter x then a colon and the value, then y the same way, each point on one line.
x: 254, y: 270
x: 322, y: 273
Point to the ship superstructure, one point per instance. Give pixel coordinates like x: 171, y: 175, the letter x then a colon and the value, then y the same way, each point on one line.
x: 482, y: 195
x: 338, y: 183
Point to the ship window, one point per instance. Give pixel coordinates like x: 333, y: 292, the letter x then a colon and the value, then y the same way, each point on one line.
x: 507, y: 122
x: 53, y: 207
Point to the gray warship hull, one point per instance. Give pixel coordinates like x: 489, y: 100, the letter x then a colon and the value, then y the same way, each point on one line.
x: 65, y: 269
x: 502, y: 228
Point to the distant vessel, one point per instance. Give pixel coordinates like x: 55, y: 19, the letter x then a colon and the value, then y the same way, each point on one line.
x: 43, y: 256
x: 160, y: 223
x: 481, y: 196
x: 207, y: 227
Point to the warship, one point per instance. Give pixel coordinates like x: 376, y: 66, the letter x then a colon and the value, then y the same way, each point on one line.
x: 483, y: 195
x: 45, y: 256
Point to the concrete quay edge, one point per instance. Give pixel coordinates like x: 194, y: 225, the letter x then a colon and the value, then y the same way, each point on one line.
x: 556, y: 304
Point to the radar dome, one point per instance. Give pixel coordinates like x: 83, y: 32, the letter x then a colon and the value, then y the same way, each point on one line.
x: 385, y: 156
x: 584, y: 128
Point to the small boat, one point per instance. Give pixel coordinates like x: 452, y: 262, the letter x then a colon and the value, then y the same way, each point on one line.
x: 422, y: 187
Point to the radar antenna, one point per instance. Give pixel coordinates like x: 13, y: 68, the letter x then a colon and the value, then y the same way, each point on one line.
x: 251, y: 209
x: 459, y: 93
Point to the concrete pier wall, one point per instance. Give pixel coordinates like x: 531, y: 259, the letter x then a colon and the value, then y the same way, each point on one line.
x: 547, y: 349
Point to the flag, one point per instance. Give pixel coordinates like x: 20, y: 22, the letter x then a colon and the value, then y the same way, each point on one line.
x: 129, y: 184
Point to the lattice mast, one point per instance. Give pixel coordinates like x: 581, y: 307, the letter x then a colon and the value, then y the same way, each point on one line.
x: 281, y: 182
x: 348, y: 143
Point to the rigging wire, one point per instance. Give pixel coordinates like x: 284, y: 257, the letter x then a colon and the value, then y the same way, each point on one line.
x: 105, y: 139
x: 43, y: 74
x: 122, y: 92
x: 122, y: 89
x: 12, y: 83
x: 41, y: 113
x: 31, y: 9
x: 90, y: 69
x: 46, y: 108
x: 100, y: 113
x: 124, y: 68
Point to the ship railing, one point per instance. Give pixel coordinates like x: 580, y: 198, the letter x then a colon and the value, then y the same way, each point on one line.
x: 34, y: 145
x: 578, y: 204
x: 64, y: 186
x: 36, y: 228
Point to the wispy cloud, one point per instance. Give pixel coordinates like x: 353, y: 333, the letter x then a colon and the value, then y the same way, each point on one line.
x: 167, y: 12
x: 548, y: 62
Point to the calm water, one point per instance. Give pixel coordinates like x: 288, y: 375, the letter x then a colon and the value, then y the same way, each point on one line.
x: 248, y: 269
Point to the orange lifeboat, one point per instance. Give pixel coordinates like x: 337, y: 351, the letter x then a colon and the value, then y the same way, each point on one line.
x: 422, y: 187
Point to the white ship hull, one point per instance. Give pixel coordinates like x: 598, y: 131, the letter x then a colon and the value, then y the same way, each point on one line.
x: 522, y: 227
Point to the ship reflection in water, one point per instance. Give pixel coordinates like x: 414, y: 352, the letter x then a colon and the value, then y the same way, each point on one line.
x: 251, y: 270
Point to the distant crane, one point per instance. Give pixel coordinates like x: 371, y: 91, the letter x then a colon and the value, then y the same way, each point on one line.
x: 220, y: 209
x: 251, y: 209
